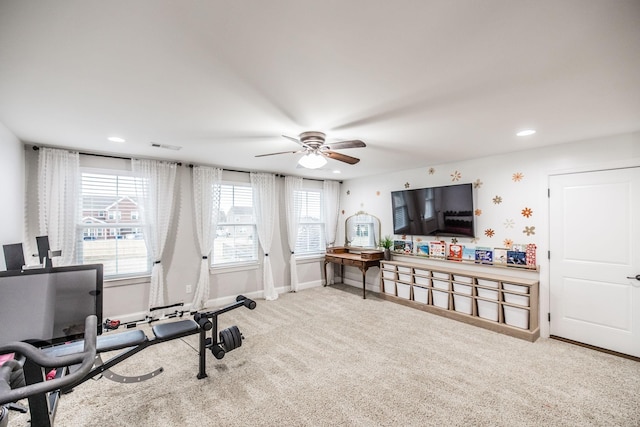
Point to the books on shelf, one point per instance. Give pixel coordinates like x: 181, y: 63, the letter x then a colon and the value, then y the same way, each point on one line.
x: 484, y: 256
x: 516, y: 258
x: 438, y: 249
x: 422, y: 249
x: 468, y: 254
x: 500, y: 255
x: 455, y: 252
x: 519, y: 255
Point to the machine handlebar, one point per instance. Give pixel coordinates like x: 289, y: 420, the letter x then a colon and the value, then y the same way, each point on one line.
x: 86, y: 360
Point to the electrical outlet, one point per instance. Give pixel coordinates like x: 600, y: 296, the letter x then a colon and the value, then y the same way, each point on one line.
x: 189, y: 289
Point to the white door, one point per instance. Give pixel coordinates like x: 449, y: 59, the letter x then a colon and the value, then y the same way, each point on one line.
x: 594, y: 224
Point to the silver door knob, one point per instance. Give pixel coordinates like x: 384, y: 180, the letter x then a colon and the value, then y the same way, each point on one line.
x: 637, y: 277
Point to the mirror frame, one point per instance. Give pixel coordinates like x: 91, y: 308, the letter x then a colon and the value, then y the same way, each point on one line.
x: 360, y: 218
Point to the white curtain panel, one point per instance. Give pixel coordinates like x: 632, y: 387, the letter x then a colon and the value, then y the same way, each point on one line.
x: 292, y: 185
x: 264, y: 204
x: 206, y: 204
x: 331, y: 193
x: 58, y: 203
x: 155, y: 188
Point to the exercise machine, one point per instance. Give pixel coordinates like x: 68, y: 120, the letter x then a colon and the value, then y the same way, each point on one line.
x: 43, y: 395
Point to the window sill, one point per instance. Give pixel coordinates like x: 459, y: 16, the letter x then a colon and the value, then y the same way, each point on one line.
x: 234, y: 268
x: 125, y: 281
x: 307, y: 259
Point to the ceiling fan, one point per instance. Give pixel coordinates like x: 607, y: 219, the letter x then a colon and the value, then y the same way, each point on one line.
x: 316, y: 150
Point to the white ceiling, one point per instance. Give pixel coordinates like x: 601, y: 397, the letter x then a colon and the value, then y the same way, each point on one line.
x: 421, y: 82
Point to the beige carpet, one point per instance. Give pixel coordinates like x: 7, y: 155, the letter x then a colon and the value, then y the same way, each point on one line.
x: 326, y: 357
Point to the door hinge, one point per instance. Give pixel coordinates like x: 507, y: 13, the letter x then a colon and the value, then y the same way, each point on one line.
x: 549, y: 317
x: 548, y: 192
x: 548, y: 254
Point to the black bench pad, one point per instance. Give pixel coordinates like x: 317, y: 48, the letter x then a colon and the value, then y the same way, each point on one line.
x: 104, y: 343
x: 167, y: 331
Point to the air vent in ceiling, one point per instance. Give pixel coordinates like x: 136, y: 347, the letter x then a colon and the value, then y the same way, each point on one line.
x: 166, y: 146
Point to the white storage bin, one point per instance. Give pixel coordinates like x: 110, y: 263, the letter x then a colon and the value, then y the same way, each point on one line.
x: 404, y: 273
x: 486, y: 293
x: 463, y: 289
x: 420, y: 294
x: 515, y: 288
x: 487, y: 283
x: 422, y: 280
x: 440, y: 284
x: 440, y: 275
x: 462, y: 279
x: 516, y: 299
x: 488, y: 310
x: 389, y: 274
x: 440, y: 299
x: 518, y: 317
x: 462, y: 304
x: 389, y: 287
x: 404, y: 290
x: 420, y: 272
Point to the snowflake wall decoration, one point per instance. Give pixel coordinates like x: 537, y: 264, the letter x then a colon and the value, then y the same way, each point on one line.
x: 497, y: 200
x: 432, y: 171
x: 517, y: 177
x: 377, y: 193
x: 454, y: 240
x: 477, y: 183
x: 456, y: 176
x: 478, y: 212
x: 509, y: 223
x: 508, y: 243
x: 529, y: 230
x: 527, y: 212
x: 475, y: 240
x: 489, y: 232
x: 407, y: 185
x: 348, y: 192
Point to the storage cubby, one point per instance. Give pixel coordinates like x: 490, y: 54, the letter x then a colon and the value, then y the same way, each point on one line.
x: 500, y: 303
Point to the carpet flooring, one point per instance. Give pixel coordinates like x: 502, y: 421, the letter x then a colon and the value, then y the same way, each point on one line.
x: 326, y: 357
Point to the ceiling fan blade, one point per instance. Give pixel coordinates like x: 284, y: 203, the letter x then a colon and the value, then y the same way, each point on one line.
x: 341, y: 157
x: 354, y: 143
x: 281, y: 152
x: 296, y: 140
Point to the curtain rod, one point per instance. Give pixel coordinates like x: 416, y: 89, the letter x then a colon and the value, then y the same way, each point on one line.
x: 108, y: 156
x: 278, y: 175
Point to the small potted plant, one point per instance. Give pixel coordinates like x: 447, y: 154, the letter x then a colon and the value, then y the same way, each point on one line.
x: 387, y: 244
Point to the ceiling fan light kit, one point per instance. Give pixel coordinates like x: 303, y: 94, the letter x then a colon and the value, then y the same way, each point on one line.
x: 312, y: 161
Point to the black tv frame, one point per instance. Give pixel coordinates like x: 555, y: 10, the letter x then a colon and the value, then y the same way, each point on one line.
x: 30, y: 301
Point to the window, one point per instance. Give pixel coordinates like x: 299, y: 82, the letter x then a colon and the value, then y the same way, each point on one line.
x: 311, y: 227
x: 110, y: 230
x: 236, y: 239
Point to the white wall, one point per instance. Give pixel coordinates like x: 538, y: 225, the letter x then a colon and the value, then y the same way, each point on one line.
x: 495, y: 175
x: 12, y: 178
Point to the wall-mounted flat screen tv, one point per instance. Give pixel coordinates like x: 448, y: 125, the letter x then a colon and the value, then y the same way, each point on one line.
x: 434, y: 211
x: 49, y: 305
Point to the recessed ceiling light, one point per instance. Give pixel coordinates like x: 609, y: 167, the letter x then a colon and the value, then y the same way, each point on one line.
x: 116, y: 139
x: 526, y: 132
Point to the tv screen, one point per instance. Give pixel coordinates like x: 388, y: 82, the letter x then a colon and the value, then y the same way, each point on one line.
x: 434, y: 211
x: 49, y: 306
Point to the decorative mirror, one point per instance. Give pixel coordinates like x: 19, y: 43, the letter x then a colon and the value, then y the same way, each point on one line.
x: 362, y: 230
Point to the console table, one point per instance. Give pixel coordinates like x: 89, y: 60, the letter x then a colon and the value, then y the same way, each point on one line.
x: 363, y: 259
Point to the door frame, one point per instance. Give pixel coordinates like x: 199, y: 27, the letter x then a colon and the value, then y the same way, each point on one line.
x: 545, y: 279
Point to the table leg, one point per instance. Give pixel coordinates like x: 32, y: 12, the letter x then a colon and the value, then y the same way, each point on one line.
x: 364, y: 275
